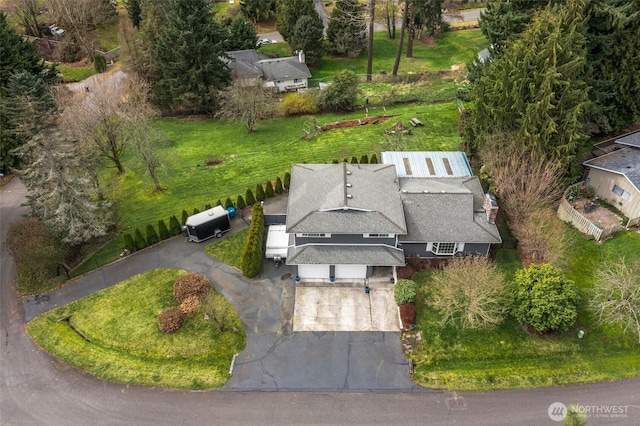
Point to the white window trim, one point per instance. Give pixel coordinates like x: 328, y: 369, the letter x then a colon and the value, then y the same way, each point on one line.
x: 620, y: 192
x: 313, y: 235
x: 457, y: 247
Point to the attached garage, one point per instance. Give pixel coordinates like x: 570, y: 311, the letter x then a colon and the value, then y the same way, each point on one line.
x: 311, y: 272
x: 351, y: 271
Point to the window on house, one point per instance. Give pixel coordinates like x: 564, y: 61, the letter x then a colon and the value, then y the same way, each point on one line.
x: 621, y: 192
x: 315, y: 235
x: 296, y: 80
x: 444, y: 248
x: 378, y: 235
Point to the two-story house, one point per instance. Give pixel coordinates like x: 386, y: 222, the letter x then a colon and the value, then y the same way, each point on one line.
x: 345, y: 219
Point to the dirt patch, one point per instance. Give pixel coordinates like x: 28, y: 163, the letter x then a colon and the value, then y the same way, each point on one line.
x: 345, y: 124
x: 213, y: 162
x: 598, y: 215
x: 428, y: 40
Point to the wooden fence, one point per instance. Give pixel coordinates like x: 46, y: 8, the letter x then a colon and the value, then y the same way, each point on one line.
x: 567, y: 213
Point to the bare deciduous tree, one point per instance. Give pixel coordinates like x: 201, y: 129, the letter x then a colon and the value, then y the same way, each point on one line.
x: 542, y: 236
x: 247, y: 103
x: 469, y: 292
x: 26, y: 12
x: 615, y: 298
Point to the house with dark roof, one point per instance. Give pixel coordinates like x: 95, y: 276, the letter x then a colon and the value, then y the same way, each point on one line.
x: 281, y: 74
x: 344, y: 220
x: 616, y: 176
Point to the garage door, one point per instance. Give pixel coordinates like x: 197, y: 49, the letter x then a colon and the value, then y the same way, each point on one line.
x: 313, y: 271
x: 351, y: 271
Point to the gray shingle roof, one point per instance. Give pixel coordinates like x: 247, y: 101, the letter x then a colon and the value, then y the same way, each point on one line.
x: 624, y: 161
x: 632, y: 139
x: 345, y: 255
x: 446, y: 209
x: 344, y: 199
x: 242, y: 64
x: 283, y: 69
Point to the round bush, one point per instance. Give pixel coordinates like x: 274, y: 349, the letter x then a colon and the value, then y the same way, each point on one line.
x: 170, y: 320
x: 191, y: 285
x: 190, y: 305
x: 404, y: 292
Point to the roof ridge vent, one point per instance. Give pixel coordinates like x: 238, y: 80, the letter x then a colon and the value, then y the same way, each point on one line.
x: 349, y: 196
x: 349, y: 185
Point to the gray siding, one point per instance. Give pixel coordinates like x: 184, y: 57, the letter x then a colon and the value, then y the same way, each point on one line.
x: 420, y: 249
x: 351, y: 239
x: 275, y: 219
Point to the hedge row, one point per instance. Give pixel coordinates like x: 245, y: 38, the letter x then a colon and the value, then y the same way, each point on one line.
x: 254, y: 244
x: 365, y: 159
x: 138, y: 241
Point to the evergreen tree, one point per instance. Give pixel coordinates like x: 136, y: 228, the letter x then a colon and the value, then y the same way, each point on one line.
x: 219, y: 202
x: 228, y: 203
x: 189, y: 55
x: 152, y: 235
x: 163, y: 230
x: 135, y: 12
x: 174, y: 226
x: 364, y: 159
x: 341, y: 94
x: 258, y: 10
x: 196, y: 211
x: 128, y: 242
x: 287, y: 180
x: 260, y: 196
x: 278, y: 188
x: 240, y: 202
x: 60, y: 190
x: 249, y: 198
x: 288, y: 12
x: 242, y: 35
x: 185, y: 216
x: 354, y: 160
x: 307, y: 36
x: 374, y: 159
x: 268, y: 189
x: 537, y: 88
x: 23, y: 109
x: 139, y: 239
x: 346, y: 30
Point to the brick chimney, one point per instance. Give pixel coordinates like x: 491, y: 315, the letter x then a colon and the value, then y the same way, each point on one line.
x: 490, y: 206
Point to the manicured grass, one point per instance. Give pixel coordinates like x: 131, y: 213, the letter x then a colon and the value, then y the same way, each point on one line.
x: 126, y: 345
x: 253, y: 158
x: 229, y: 250
x: 73, y: 74
x: 507, y: 357
x: 451, y: 48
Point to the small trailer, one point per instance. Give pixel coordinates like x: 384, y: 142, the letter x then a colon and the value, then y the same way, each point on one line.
x: 209, y: 223
x: 277, y: 243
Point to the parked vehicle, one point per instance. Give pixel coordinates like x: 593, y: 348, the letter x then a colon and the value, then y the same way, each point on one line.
x: 55, y: 30
x: 277, y: 244
x: 266, y: 41
x: 207, y: 224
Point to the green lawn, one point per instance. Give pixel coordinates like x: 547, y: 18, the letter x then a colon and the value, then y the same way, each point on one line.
x: 509, y: 358
x: 73, y: 74
x: 451, y: 48
x: 229, y: 250
x: 126, y: 345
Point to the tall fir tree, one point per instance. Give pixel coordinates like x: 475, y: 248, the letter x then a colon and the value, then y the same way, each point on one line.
x: 242, y: 35
x: 288, y: 12
x: 537, y: 88
x: 189, y: 56
x: 346, y: 30
x: 258, y: 10
x: 307, y: 37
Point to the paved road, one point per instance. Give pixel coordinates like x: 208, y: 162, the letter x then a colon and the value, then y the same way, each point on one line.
x: 38, y: 390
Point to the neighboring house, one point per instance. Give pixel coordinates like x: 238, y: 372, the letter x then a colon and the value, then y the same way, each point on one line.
x: 616, y: 176
x: 345, y: 219
x: 281, y: 74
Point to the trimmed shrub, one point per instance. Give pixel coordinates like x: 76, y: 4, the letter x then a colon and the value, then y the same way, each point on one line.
x: 219, y: 202
x: 174, y: 226
x: 268, y: 189
x: 163, y: 231
x: 251, y: 261
x: 298, y: 104
x: 260, y: 196
x: 249, y: 198
x: 335, y: 161
x: 228, y: 203
x: 196, y: 211
x: 240, y: 202
x: 354, y: 160
x: 190, y: 305
x: 373, y: 159
x: 208, y: 206
x: 152, y: 235
x: 170, y: 320
x: 404, y: 292
x: 364, y: 159
x: 278, y: 189
x: 287, y: 180
x: 99, y: 63
x: 185, y: 216
x: 139, y: 239
x: 129, y: 244
x: 191, y: 285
